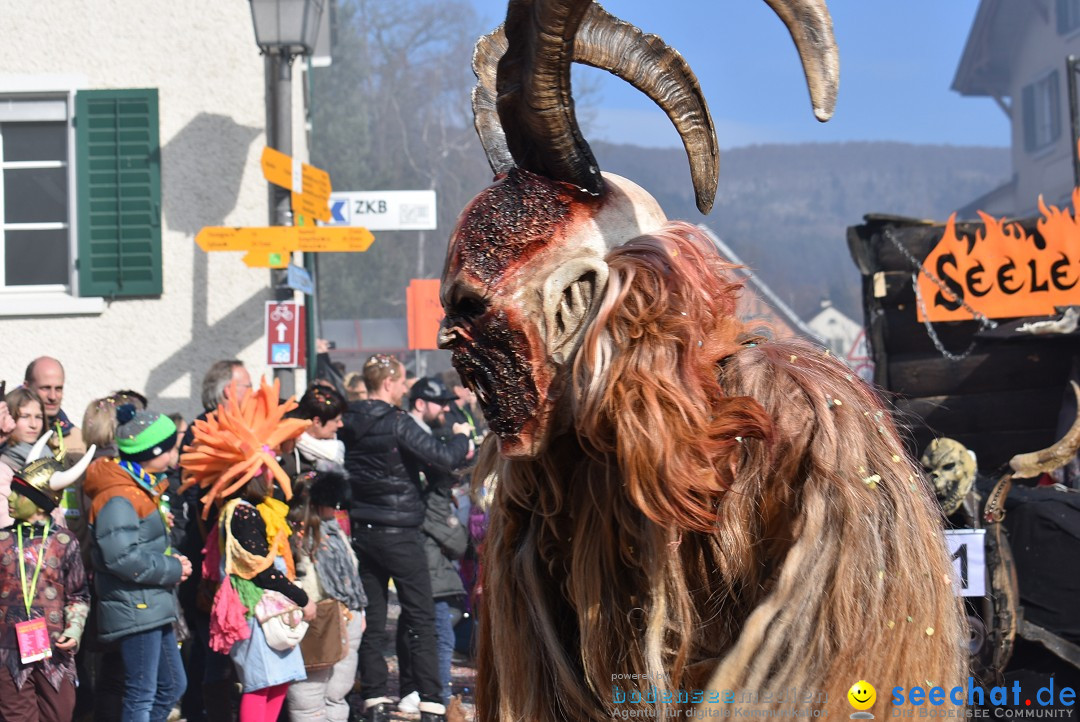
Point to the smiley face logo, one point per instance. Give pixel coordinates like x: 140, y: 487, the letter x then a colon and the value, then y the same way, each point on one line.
x: 862, y: 695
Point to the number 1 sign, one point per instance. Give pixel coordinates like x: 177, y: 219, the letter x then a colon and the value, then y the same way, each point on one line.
x: 967, y: 547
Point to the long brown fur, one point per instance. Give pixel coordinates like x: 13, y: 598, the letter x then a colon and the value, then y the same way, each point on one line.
x: 727, y: 513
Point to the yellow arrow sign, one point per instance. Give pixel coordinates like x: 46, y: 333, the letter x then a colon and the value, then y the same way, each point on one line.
x: 278, y: 169
x: 283, y: 239
x: 311, y: 206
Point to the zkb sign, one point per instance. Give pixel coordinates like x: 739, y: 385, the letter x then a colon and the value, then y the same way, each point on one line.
x: 384, y: 210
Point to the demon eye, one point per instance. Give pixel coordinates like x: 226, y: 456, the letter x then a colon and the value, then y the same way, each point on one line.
x: 468, y: 306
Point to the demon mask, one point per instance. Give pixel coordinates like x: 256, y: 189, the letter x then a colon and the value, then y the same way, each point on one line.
x: 951, y: 468
x: 525, y: 268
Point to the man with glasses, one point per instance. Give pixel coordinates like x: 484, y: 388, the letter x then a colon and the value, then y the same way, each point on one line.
x: 385, y: 451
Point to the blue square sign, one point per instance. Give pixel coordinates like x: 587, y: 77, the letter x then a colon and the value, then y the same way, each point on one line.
x: 281, y: 353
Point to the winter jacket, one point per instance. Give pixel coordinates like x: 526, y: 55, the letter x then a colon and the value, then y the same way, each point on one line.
x: 445, y: 539
x: 134, y: 579
x: 385, y: 451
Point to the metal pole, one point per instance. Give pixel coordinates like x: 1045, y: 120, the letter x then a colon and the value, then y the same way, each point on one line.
x: 1070, y: 70
x: 279, y: 121
x: 311, y: 264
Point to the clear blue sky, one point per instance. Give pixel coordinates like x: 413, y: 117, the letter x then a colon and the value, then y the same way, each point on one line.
x: 897, y: 61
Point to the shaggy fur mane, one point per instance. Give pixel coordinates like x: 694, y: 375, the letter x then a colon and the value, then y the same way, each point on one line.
x: 726, y: 513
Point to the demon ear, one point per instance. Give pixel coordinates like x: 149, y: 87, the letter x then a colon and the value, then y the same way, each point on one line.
x: 570, y: 297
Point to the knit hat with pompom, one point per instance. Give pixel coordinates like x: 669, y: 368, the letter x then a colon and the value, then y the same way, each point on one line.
x: 143, y: 435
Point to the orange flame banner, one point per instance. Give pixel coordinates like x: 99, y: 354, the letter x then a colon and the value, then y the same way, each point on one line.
x: 1003, y: 272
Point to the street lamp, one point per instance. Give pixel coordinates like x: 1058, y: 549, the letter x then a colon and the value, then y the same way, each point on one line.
x: 283, y: 30
x: 286, y: 26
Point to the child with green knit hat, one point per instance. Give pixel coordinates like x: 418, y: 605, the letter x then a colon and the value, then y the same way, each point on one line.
x: 136, y: 569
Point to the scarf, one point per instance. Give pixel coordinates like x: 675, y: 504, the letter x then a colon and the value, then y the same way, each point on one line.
x: 278, y: 531
x: 336, y: 569
x: 17, y: 453
x: 316, y: 450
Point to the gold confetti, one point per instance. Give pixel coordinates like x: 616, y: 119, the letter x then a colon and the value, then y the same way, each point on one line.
x: 896, y: 457
x: 872, y: 480
x: 891, y: 624
x: 930, y: 631
x: 880, y: 573
x: 862, y: 469
x: 793, y: 357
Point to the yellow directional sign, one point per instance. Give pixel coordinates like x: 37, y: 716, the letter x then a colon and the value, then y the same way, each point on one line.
x: 310, y: 181
x: 312, y: 206
x: 284, y: 239
x: 266, y: 259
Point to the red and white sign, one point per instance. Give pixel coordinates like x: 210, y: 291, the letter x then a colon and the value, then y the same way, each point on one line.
x: 283, y: 334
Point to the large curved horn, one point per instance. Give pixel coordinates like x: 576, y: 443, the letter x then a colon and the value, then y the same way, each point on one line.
x: 67, y: 477
x: 1025, y: 466
x: 810, y: 26
x: 647, y: 63
x: 660, y: 72
x: 533, y: 97
x: 605, y: 42
x: 38, y: 449
x: 485, y: 63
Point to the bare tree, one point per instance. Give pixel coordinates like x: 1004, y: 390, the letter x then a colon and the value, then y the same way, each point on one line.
x: 393, y: 113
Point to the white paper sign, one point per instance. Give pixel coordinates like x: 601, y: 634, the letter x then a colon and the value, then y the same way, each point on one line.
x: 967, y: 548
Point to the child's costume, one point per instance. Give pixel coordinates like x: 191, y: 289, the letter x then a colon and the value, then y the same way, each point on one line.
x: 249, y: 550
x: 43, y: 597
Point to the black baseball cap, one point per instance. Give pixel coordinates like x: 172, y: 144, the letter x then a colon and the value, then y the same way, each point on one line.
x: 431, y: 389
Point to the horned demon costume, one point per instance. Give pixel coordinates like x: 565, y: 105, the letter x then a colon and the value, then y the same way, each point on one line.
x: 680, y: 504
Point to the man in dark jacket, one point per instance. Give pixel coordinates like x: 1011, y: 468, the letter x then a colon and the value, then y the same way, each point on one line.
x: 385, y: 453
x: 445, y: 539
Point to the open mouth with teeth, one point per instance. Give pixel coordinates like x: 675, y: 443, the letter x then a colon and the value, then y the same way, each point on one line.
x: 496, y: 366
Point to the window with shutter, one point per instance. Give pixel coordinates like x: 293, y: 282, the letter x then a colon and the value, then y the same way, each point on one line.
x: 118, y: 170
x: 1068, y: 16
x: 35, y: 247
x: 1041, y: 112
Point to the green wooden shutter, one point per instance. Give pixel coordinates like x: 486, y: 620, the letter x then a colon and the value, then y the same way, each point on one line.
x: 118, y: 166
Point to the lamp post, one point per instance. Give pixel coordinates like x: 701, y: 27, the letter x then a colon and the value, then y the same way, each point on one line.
x: 283, y: 30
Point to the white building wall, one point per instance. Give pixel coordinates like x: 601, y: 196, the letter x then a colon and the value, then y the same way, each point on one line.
x: 1048, y: 171
x: 202, y: 58
x: 836, y: 330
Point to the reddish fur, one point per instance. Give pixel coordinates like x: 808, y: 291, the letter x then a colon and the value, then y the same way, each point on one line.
x: 652, y: 541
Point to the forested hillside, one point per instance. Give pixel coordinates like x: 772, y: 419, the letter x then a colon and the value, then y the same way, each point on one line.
x: 785, y: 208
x: 392, y: 113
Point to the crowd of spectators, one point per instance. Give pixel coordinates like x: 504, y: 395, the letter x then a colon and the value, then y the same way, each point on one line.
x: 379, y: 504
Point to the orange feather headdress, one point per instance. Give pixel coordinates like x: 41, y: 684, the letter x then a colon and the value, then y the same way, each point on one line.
x: 237, y: 441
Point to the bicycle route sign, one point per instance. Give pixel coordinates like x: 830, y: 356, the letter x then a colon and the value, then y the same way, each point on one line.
x: 282, y: 334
